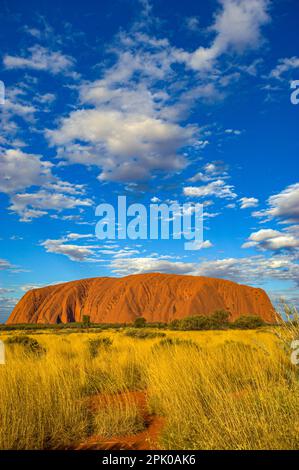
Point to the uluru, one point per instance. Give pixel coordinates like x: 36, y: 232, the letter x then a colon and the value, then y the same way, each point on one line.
x: 157, y: 297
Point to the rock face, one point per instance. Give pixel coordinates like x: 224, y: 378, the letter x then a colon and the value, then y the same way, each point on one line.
x: 157, y: 297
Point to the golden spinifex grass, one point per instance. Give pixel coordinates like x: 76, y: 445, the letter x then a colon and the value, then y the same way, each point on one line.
x: 216, y: 390
x: 117, y: 417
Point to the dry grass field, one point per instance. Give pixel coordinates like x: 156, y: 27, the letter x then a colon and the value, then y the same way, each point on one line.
x: 184, y: 390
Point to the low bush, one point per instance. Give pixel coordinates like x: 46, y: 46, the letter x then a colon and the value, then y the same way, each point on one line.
x: 139, y: 322
x: 30, y: 345
x: 170, y: 342
x: 144, y: 334
x: 218, y: 320
x: 86, y: 321
x: 94, y: 345
x: 248, y: 322
x: 197, y: 322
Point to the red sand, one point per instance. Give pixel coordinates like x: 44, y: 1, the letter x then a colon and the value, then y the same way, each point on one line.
x: 144, y: 440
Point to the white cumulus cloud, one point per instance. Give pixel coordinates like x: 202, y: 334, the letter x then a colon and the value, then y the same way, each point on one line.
x: 284, y: 205
x: 218, y: 188
x: 40, y: 58
x: 247, y: 202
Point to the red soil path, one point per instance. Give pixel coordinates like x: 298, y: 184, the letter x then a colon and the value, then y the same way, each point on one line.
x: 144, y: 440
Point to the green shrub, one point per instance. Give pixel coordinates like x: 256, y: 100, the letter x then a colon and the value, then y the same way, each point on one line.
x: 158, y: 324
x: 30, y: 345
x: 143, y: 334
x: 86, y: 320
x: 196, y: 322
x: 94, y: 345
x: 175, y: 324
x: 248, y: 322
x: 170, y: 342
x: 218, y: 320
x: 139, y: 322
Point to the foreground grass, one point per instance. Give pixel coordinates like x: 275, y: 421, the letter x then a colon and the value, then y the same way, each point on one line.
x: 216, y: 390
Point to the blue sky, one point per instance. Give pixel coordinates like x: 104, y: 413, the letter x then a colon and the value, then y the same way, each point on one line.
x: 164, y: 100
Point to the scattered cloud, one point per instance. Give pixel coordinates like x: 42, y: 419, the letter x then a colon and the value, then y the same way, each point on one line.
x: 205, y: 244
x: 155, y: 199
x: 192, y: 23
x: 4, y: 264
x: 150, y: 264
x: 256, y: 269
x: 127, y: 125
x: 62, y: 246
x: 284, y: 65
x: 34, y: 205
x: 16, y: 104
x: 233, y: 131
x: 247, y: 202
x: 284, y: 205
x: 4, y: 290
x: 211, y: 171
x: 21, y: 170
x: 215, y: 173
x: 268, y: 239
x: 218, y: 188
x: 27, y: 287
x: 141, y: 145
x: 123, y: 124
x: 6, y: 305
x: 78, y: 236
x: 289, y: 295
x: 237, y: 28
x: 250, y: 270
x: 40, y: 58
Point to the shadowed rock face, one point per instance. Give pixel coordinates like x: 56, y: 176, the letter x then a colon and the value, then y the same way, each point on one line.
x: 157, y: 297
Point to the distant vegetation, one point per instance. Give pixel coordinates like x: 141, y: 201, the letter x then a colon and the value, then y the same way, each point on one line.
x: 29, y: 345
x: 86, y: 320
x: 219, y: 320
x: 139, y: 322
x: 96, y: 344
x: 143, y: 334
x: 173, y: 342
x: 246, y: 322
